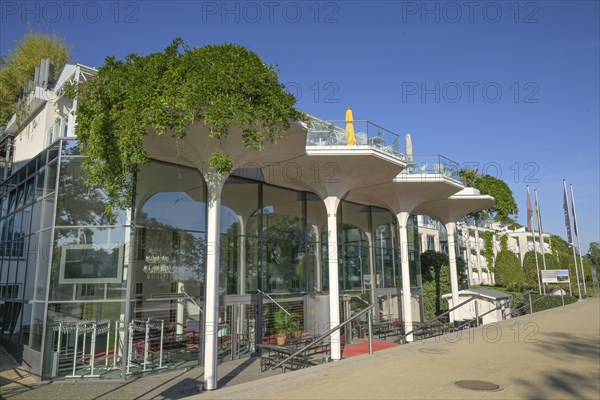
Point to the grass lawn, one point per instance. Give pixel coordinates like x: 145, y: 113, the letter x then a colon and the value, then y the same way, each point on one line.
x: 497, y: 288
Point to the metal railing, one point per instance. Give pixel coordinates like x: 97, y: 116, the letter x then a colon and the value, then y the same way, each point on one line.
x: 475, y: 322
x: 424, y: 326
x: 329, y: 332
x: 366, y: 133
x: 431, y: 164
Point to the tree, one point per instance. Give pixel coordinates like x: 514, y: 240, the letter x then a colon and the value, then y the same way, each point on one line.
x: 593, y: 254
x: 18, y: 66
x: 508, y: 271
x: 222, y: 86
x: 559, y: 245
x: 504, y: 207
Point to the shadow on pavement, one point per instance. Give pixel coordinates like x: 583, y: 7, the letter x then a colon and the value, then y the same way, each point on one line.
x: 562, y: 382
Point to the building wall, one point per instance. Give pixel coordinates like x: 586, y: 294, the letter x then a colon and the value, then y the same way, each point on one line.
x: 72, y: 262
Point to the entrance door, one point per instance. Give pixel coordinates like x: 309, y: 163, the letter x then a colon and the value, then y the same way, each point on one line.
x: 237, y: 327
x: 388, y: 305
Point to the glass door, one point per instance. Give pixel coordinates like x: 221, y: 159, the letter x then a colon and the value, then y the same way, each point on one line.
x: 237, y: 327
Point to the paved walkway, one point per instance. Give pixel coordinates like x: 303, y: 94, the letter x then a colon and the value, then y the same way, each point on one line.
x: 551, y: 354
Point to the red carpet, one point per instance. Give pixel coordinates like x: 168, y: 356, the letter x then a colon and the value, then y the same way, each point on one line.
x: 363, y: 348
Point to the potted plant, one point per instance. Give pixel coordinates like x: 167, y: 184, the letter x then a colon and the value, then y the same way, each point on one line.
x: 285, y: 324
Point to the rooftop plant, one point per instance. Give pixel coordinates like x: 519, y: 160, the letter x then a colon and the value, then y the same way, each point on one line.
x: 222, y: 86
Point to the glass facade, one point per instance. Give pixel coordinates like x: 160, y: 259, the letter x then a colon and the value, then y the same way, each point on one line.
x: 109, y: 295
x: 27, y: 205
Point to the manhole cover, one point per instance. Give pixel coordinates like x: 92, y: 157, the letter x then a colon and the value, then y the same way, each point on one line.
x: 433, y: 351
x: 478, y: 385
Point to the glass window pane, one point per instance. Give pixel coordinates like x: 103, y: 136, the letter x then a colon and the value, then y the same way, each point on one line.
x: 79, y: 204
x: 87, y: 256
x: 39, y: 187
x: 171, y: 196
x: 51, y: 178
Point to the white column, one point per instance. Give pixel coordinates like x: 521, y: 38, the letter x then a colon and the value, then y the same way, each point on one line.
x: 467, y: 253
x: 319, y: 265
x: 372, y: 268
x: 242, y: 258
x: 405, y: 270
x: 331, y: 204
x: 450, y: 228
x: 181, y: 305
x: 215, y: 183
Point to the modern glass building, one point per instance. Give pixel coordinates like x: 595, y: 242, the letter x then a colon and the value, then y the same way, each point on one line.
x: 85, y: 294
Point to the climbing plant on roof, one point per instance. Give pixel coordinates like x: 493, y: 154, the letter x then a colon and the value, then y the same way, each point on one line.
x: 504, y: 207
x: 17, y: 67
x: 165, y: 93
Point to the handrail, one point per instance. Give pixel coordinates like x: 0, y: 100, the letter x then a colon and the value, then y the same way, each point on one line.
x: 403, y: 337
x: 275, y: 301
x: 363, y: 300
x: 328, y: 333
x: 532, y: 302
x: 477, y: 317
x: 522, y: 296
x: 191, y: 298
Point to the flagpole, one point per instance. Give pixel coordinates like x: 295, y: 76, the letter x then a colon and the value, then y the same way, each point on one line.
x: 578, y: 241
x: 530, y: 226
x: 542, y: 288
x: 539, y: 221
x: 570, y: 237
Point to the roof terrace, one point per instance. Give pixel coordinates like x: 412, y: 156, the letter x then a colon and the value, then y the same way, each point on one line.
x: 333, y: 134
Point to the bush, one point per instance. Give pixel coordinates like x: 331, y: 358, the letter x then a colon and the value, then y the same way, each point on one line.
x: 546, y: 303
x: 508, y: 271
x: 435, y: 268
x: 529, y: 271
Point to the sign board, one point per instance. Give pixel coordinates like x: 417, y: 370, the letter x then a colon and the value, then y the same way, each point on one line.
x: 555, y: 276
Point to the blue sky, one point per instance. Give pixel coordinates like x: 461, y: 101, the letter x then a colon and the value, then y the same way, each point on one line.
x: 511, y: 87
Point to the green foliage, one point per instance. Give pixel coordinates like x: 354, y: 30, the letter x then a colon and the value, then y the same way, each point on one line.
x: 504, y: 202
x: 220, y: 161
x: 587, y: 268
x: 469, y: 177
x: 546, y: 303
x: 508, y: 271
x: 286, y: 323
x: 559, y: 245
x: 436, y: 282
x: 529, y: 267
x: 488, y: 243
x: 18, y: 66
x: 221, y: 86
x: 504, y: 242
x: 565, y: 261
x: 593, y: 254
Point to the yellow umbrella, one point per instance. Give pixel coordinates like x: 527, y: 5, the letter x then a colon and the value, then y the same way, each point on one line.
x: 350, y: 138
